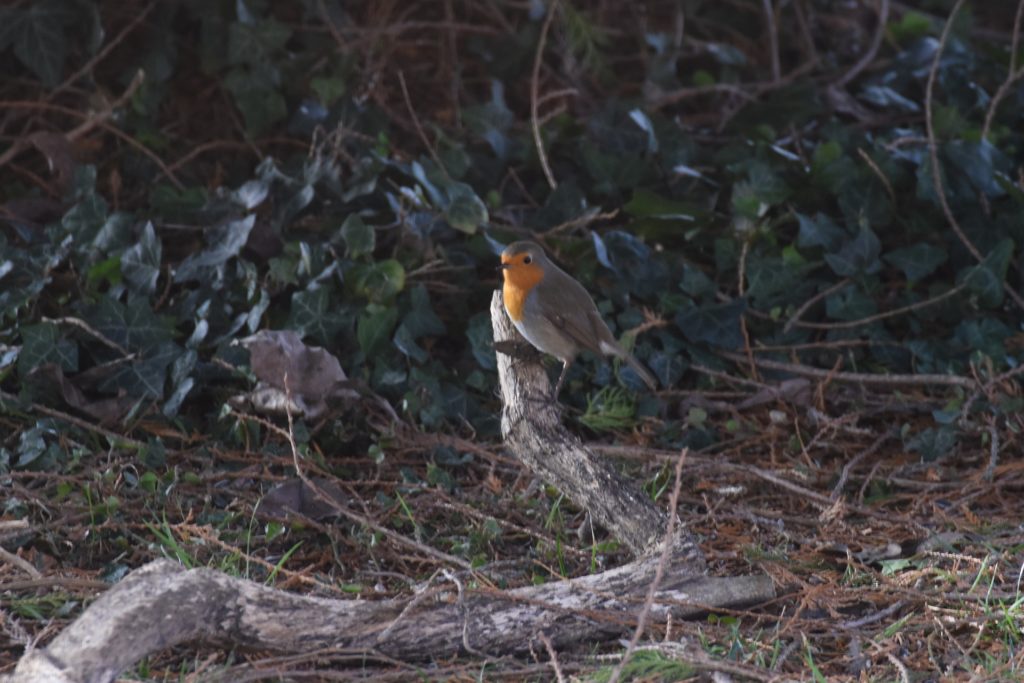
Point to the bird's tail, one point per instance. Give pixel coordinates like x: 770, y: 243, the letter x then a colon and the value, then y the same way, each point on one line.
x: 612, y: 348
x: 644, y: 373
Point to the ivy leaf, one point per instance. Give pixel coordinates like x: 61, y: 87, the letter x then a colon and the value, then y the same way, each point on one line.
x: 145, y: 376
x: 859, y: 255
x: 39, y: 39
x: 374, y: 328
x: 359, y: 237
x: 985, y: 280
x: 314, y: 314
x: 819, y: 231
x: 42, y: 343
x: 140, y: 264
x: 492, y: 120
x: 932, y: 443
x: 884, y: 96
x: 133, y: 326
x: 421, y: 319
x: 917, y: 261
x: 258, y: 98
x: 380, y: 281
x: 481, y: 340
x: 668, y: 367
x: 632, y: 261
x: 985, y: 335
x: 225, y: 242
x: 717, y: 325
x: 465, y: 211
x: 256, y: 43
x: 85, y: 218
x: 977, y: 160
x: 406, y: 343
x: 181, y: 381
x: 850, y: 303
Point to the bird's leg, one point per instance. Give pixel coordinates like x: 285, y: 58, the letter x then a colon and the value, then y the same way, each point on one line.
x: 566, y: 364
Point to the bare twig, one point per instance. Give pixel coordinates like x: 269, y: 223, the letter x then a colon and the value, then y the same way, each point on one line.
x: 1014, y: 74
x: 837, y: 490
x: 872, y: 618
x: 859, y: 377
x: 19, y: 562
x: 741, y: 90
x: 78, y: 422
x: 102, y: 54
x: 900, y: 668
x: 91, y: 120
x: 876, y: 42
x: 534, y: 99
x: 740, y: 288
x: 773, y: 40
x: 993, y: 455
x: 850, y: 324
x: 559, y: 676
x: 89, y: 329
x: 666, y: 552
x: 878, y: 172
x: 419, y: 128
x: 795, y: 318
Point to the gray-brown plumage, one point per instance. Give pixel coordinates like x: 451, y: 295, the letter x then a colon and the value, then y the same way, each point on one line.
x: 555, y: 313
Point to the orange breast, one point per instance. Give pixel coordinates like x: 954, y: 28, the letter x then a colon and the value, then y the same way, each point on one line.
x: 520, y: 279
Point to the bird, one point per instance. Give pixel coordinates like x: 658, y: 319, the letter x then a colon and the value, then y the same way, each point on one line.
x: 554, y: 312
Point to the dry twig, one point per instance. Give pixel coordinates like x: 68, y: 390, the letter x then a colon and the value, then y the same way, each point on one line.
x: 534, y: 98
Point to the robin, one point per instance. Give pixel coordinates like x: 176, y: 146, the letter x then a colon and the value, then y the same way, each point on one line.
x: 554, y: 312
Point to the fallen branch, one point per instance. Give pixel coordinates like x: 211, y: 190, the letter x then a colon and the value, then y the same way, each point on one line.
x: 162, y: 605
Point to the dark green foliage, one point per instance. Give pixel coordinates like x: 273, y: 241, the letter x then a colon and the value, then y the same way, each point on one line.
x: 342, y: 243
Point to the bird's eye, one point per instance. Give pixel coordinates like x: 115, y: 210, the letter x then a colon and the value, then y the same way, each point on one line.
x: 527, y: 259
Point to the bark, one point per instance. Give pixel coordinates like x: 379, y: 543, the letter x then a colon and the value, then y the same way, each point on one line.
x: 162, y: 605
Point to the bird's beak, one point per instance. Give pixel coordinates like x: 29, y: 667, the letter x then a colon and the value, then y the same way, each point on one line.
x: 504, y: 266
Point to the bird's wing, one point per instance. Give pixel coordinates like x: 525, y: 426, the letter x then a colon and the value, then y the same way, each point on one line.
x: 582, y: 324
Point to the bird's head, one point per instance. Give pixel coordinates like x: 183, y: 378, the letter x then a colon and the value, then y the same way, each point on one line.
x: 522, y: 264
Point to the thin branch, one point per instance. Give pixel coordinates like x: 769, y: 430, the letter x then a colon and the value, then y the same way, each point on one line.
x: 93, y: 120
x: 19, y: 562
x: 837, y: 490
x: 666, y: 552
x: 878, y: 172
x: 102, y: 54
x: 534, y: 100
x: 559, y: 676
x: 698, y: 90
x: 858, y: 377
x: 876, y: 43
x: 1012, y: 76
x: 795, y: 318
x: 773, y: 40
x: 89, y: 329
x: 114, y: 437
x: 416, y: 123
x: 850, y: 324
x: 740, y: 286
